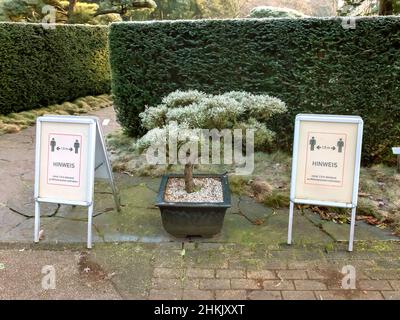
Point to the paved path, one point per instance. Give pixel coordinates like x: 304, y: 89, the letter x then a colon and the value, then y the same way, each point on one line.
x: 203, y: 271
x: 134, y: 258
x: 22, y: 273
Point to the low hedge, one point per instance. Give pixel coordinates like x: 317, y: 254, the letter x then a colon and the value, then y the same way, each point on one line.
x: 40, y: 67
x: 314, y: 65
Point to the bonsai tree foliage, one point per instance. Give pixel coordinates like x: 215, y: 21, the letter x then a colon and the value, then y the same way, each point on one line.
x: 84, y: 13
x: 29, y: 10
x: 195, y: 110
x: 192, y: 9
x: 123, y: 7
x: 72, y: 11
x: 274, y: 12
x: 369, y: 7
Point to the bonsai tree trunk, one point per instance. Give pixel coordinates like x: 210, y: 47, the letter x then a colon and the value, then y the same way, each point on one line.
x: 188, y: 173
x: 385, y: 7
x: 71, y: 8
x: 189, y: 184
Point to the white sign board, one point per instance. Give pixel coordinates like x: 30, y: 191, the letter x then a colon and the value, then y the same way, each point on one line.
x: 326, y: 162
x: 396, y: 150
x: 326, y: 154
x: 69, y: 149
x: 64, y: 158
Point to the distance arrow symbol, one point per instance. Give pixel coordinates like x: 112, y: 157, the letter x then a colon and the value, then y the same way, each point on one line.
x: 58, y: 148
x: 333, y: 148
x: 319, y: 147
x: 70, y: 149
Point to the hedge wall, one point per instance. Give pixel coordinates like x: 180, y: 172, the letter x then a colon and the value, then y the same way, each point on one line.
x: 39, y: 66
x: 314, y: 65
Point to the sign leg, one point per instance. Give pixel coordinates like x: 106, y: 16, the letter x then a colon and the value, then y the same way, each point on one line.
x: 353, y: 222
x: 37, y: 221
x: 116, y: 195
x: 90, y: 221
x: 289, y: 241
x: 398, y: 164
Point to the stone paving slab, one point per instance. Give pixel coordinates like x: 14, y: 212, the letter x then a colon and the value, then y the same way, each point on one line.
x: 340, y: 232
x: 140, y: 219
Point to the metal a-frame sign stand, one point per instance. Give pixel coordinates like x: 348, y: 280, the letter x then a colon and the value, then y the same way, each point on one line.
x: 70, y: 154
x: 322, y: 194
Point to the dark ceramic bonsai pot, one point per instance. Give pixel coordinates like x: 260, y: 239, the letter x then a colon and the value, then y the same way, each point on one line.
x: 193, y: 219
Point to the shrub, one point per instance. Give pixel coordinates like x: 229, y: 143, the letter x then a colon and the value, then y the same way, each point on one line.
x: 274, y: 12
x: 180, y: 111
x: 40, y: 67
x: 314, y: 65
x: 196, y: 110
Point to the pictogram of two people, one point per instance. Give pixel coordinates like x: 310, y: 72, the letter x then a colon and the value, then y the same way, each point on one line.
x: 53, y: 145
x: 339, y: 144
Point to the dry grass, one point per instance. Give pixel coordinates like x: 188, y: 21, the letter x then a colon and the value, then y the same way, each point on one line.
x: 15, y: 122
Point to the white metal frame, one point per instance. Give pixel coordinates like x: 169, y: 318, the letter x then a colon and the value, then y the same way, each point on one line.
x: 92, y: 122
x: 109, y: 168
x: 353, y: 205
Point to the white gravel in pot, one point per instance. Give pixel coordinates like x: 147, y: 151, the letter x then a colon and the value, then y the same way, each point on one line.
x: 207, y: 190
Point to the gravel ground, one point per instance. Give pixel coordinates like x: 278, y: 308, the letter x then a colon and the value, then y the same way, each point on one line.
x: 209, y: 190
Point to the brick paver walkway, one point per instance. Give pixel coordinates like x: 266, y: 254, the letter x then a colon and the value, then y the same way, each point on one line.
x: 205, y: 271
x: 232, y: 271
x: 279, y: 274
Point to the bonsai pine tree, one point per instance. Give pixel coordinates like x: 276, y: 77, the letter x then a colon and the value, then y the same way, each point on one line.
x: 123, y: 7
x: 369, y: 7
x: 195, y: 110
x: 274, y: 12
x: 185, y: 138
x: 72, y: 11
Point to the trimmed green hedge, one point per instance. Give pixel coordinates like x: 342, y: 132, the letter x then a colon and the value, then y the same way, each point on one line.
x: 314, y: 65
x: 40, y: 67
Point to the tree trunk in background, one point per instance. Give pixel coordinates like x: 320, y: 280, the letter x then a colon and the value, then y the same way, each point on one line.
x: 189, y: 184
x: 71, y: 8
x: 385, y: 7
